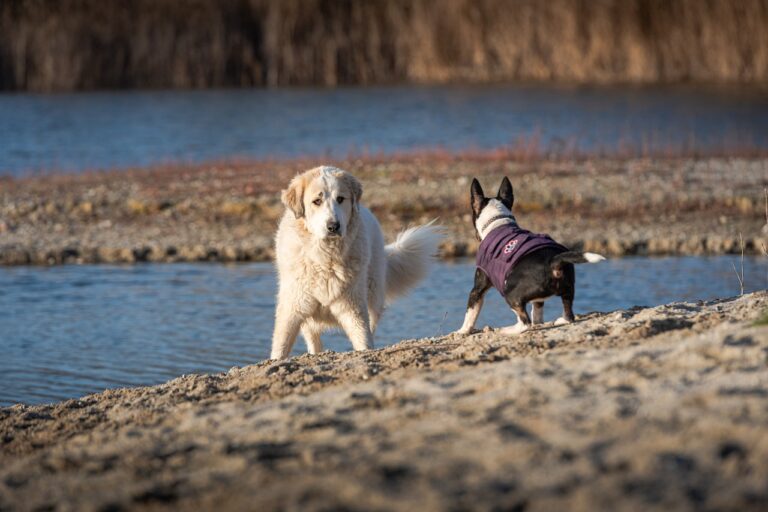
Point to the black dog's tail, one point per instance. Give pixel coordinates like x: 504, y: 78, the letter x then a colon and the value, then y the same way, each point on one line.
x: 572, y: 257
x: 576, y: 257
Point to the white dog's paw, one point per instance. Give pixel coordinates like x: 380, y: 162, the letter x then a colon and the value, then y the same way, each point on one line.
x: 562, y: 321
x: 465, y: 331
x: 514, y: 330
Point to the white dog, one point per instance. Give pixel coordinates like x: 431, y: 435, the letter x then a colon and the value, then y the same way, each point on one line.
x: 333, y: 268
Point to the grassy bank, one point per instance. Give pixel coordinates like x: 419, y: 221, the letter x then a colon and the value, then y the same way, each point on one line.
x: 87, y: 44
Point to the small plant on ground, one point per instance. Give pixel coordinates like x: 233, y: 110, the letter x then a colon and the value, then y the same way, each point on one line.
x: 763, y: 320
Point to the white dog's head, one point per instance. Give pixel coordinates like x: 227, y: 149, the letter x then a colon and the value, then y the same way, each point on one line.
x: 326, y: 198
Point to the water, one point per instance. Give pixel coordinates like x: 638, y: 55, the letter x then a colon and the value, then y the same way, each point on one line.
x: 120, y: 129
x: 70, y: 330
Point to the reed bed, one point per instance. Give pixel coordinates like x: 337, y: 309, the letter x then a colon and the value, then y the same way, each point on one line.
x: 57, y: 45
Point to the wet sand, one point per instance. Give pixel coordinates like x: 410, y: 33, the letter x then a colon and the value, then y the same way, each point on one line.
x: 657, y: 408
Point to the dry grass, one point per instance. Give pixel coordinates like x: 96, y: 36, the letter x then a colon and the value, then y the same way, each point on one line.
x: 85, y: 44
x: 740, y: 276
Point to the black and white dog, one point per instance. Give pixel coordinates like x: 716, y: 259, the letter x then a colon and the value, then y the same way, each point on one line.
x: 525, y: 267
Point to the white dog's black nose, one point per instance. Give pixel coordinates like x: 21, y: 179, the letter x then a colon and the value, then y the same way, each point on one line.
x: 333, y: 226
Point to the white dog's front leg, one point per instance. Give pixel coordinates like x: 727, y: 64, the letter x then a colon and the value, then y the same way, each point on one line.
x: 286, y: 330
x: 288, y: 319
x: 311, y: 335
x: 352, y: 316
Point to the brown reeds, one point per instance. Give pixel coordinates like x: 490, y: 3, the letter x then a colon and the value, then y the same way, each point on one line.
x: 50, y: 45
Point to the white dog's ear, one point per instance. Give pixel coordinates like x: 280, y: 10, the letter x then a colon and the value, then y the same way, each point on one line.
x: 293, y: 196
x: 355, y: 187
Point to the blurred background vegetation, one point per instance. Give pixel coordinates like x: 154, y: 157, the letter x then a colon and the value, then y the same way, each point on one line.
x: 58, y: 45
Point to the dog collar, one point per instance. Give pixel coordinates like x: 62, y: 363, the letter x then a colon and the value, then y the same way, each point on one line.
x: 494, y: 219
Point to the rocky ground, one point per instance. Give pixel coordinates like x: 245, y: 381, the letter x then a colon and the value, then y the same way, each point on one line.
x: 229, y: 212
x: 659, y: 408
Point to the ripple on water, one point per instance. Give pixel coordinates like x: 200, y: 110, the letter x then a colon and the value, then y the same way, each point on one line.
x: 145, y: 324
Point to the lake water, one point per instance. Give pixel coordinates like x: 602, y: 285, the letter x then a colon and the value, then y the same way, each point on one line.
x: 70, y: 330
x: 120, y: 129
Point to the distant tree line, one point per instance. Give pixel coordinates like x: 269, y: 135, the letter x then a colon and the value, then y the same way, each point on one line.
x: 49, y: 45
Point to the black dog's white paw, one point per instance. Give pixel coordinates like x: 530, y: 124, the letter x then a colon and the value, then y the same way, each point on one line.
x: 513, y: 330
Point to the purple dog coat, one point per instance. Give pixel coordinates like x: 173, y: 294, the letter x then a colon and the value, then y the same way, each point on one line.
x: 503, y: 247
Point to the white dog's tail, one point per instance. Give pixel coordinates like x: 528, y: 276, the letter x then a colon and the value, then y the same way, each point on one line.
x: 409, y: 257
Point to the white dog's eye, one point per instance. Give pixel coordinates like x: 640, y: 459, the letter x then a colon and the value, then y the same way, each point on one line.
x: 317, y: 202
x: 339, y: 199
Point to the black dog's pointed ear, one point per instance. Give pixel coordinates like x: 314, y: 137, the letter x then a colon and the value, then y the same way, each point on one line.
x: 477, y: 196
x: 506, y: 195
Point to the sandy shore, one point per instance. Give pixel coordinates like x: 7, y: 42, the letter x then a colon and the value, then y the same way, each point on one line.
x: 229, y: 212
x: 650, y: 408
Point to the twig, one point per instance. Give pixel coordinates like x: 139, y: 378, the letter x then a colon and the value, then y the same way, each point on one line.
x: 762, y: 244
x: 440, y: 327
x: 765, y: 193
x: 741, y: 281
x: 740, y: 277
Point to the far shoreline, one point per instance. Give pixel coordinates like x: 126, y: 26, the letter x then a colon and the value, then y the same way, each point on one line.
x: 228, y: 211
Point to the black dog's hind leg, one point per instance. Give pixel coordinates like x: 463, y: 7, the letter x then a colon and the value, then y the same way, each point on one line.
x: 567, y: 317
x: 475, y: 302
x: 523, y: 320
x: 566, y: 289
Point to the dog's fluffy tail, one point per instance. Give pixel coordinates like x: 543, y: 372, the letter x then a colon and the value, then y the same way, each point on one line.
x: 409, y: 257
x: 576, y: 257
